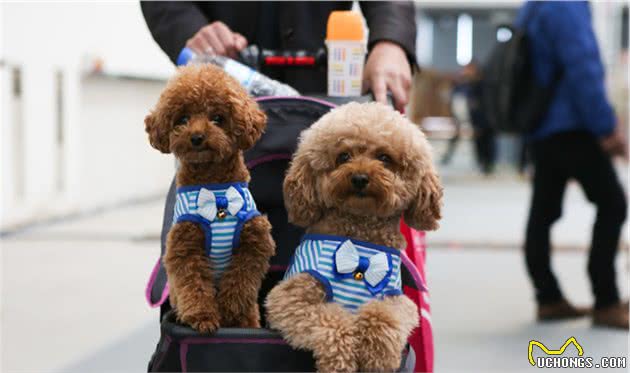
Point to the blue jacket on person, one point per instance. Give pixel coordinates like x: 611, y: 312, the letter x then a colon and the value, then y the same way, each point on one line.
x: 562, y: 43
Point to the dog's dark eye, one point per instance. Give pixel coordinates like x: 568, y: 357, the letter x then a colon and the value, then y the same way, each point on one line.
x: 217, y: 118
x: 183, y: 120
x: 384, y: 158
x: 343, y: 158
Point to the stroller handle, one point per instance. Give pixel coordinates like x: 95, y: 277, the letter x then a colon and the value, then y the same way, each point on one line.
x: 257, y: 57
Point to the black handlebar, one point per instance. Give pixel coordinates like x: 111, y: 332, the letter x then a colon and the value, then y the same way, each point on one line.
x: 256, y: 57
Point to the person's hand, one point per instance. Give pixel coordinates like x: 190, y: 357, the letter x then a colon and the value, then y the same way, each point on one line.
x: 387, y: 68
x: 615, y: 143
x: 217, y: 38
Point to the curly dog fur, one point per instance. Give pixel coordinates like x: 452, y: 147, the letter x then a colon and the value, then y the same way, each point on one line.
x: 204, y: 102
x: 375, y: 141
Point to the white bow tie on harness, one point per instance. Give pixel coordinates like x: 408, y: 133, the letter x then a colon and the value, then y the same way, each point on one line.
x: 373, y: 269
x: 211, y: 206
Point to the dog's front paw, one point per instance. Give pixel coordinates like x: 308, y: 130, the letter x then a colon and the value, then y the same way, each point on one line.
x: 238, y: 310
x: 206, y: 326
x: 336, y: 364
x: 384, y: 326
x: 205, y: 323
x: 334, y: 347
x: 240, y: 315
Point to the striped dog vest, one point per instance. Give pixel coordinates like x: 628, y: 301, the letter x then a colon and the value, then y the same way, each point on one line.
x: 221, y: 210
x: 352, y: 272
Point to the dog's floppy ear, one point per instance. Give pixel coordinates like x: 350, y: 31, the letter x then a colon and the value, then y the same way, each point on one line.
x: 158, y: 132
x: 300, y: 197
x: 424, y: 211
x: 249, y: 121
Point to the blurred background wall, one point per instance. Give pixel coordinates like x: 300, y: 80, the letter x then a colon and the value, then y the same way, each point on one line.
x: 451, y: 34
x: 77, y: 79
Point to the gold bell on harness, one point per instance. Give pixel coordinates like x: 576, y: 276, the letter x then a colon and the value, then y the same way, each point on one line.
x: 358, y: 276
x: 221, y: 214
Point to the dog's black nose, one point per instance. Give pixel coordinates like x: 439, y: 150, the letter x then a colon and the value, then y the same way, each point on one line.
x: 359, y: 181
x: 196, y: 139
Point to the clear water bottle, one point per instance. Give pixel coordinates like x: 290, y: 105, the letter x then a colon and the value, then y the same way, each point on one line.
x: 255, y: 83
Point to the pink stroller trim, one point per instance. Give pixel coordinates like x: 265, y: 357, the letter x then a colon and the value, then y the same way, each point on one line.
x: 147, y: 291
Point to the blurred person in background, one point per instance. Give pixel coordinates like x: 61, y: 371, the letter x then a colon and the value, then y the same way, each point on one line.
x: 576, y: 140
x: 225, y: 28
x: 618, y: 83
x: 459, y: 106
x: 469, y: 82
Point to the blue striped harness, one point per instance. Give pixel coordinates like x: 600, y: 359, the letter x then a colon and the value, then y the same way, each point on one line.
x: 352, y: 272
x: 221, y: 210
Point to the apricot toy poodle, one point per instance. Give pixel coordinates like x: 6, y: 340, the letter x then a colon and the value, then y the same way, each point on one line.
x: 218, y: 249
x: 356, y: 172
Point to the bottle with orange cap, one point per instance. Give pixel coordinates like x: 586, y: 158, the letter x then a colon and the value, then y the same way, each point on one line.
x: 345, y: 40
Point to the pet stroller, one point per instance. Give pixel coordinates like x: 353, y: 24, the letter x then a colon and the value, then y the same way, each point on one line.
x: 182, y: 349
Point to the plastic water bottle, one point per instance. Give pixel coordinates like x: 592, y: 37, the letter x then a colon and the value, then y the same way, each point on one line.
x: 255, y: 83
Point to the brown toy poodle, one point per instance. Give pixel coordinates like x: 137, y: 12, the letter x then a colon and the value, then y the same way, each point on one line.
x: 356, y: 172
x: 219, y: 247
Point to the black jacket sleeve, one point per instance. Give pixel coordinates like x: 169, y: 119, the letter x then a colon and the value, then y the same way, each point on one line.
x: 393, y: 21
x: 172, y: 23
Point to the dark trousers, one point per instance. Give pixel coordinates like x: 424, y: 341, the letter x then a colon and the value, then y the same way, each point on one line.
x: 557, y: 159
x: 485, y: 149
